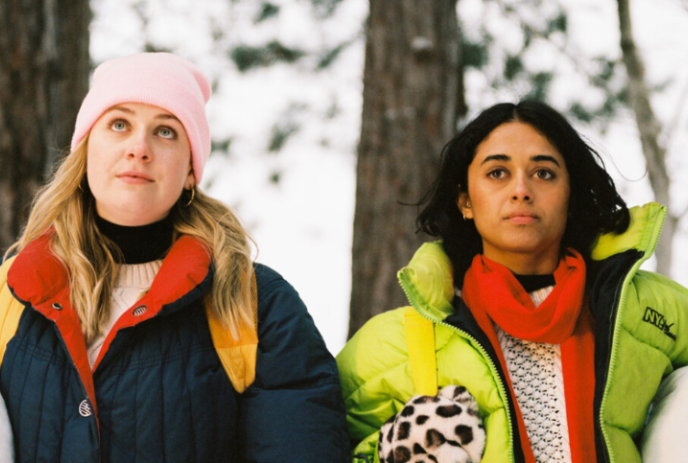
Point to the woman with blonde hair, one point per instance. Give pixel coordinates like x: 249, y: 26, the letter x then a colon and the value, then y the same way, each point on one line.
x: 134, y: 326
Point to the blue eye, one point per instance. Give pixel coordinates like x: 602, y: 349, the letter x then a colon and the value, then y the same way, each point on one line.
x: 166, y: 132
x: 119, y: 126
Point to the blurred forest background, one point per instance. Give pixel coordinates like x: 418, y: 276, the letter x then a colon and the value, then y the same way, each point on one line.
x: 329, y: 115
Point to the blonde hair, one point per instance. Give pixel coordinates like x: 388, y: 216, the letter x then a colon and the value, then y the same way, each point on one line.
x: 66, y: 205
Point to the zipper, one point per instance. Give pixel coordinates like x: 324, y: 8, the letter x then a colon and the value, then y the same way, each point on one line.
x: 617, y: 313
x: 493, y: 369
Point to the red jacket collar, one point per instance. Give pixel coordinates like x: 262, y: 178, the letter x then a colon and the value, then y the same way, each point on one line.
x: 38, y: 277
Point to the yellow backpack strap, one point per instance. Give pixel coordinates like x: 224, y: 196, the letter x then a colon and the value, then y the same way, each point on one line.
x: 420, y: 342
x: 10, y: 309
x: 238, y: 356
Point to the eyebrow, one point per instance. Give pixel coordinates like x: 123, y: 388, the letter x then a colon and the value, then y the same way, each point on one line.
x: 119, y: 108
x: 130, y: 111
x: 536, y: 158
x: 168, y: 116
x: 545, y: 157
x: 496, y: 157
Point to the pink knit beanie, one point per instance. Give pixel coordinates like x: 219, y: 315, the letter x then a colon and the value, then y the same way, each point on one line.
x: 159, y: 79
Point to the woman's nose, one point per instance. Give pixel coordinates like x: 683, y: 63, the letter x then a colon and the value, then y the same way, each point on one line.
x: 522, y: 190
x: 139, y: 148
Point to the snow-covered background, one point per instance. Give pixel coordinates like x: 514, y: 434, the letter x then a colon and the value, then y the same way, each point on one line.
x: 297, y: 199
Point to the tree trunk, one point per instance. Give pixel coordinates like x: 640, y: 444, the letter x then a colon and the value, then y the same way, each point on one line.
x: 650, y: 129
x: 44, y: 68
x: 410, y: 100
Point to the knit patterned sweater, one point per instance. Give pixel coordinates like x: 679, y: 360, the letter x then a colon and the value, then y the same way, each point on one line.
x: 536, y: 376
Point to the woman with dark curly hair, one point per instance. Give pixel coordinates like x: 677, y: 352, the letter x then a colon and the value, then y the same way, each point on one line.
x: 532, y: 307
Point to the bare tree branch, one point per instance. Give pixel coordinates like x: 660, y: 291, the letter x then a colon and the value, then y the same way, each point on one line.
x: 672, y: 127
x: 650, y: 130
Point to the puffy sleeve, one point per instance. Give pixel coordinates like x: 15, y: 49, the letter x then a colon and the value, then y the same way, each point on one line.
x: 293, y: 411
x: 375, y: 381
x: 650, y: 341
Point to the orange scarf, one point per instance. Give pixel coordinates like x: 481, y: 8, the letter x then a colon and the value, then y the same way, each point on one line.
x: 494, y: 294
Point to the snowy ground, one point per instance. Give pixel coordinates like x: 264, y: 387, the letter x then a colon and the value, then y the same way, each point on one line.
x: 303, y: 223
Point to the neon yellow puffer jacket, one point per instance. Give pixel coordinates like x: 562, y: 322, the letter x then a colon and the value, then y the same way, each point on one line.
x: 641, y: 336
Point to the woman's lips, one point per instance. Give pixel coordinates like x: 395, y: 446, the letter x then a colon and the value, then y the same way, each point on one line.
x: 522, y: 218
x: 134, y: 177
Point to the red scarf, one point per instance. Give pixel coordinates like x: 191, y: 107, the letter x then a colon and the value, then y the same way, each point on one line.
x: 494, y: 294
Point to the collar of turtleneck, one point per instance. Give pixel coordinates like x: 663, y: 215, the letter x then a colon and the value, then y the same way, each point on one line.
x: 534, y: 282
x: 142, y: 244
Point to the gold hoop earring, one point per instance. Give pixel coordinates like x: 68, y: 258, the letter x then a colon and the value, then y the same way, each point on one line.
x: 193, y: 195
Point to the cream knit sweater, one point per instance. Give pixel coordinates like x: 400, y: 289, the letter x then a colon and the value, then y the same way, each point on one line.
x: 132, y: 282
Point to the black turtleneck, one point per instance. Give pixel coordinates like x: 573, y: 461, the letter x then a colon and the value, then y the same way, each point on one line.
x: 139, y: 244
x: 534, y: 282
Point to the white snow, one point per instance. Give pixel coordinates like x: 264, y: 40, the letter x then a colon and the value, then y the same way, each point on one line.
x: 303, y: 224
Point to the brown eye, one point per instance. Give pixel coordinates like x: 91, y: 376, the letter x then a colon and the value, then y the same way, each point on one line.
x: 544, y: 174
x: 496, y: 173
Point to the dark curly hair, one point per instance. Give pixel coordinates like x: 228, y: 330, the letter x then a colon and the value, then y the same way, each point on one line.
x: 594, y: 204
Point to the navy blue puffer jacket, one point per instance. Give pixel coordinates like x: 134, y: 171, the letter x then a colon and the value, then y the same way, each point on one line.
x: 159, y: 392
